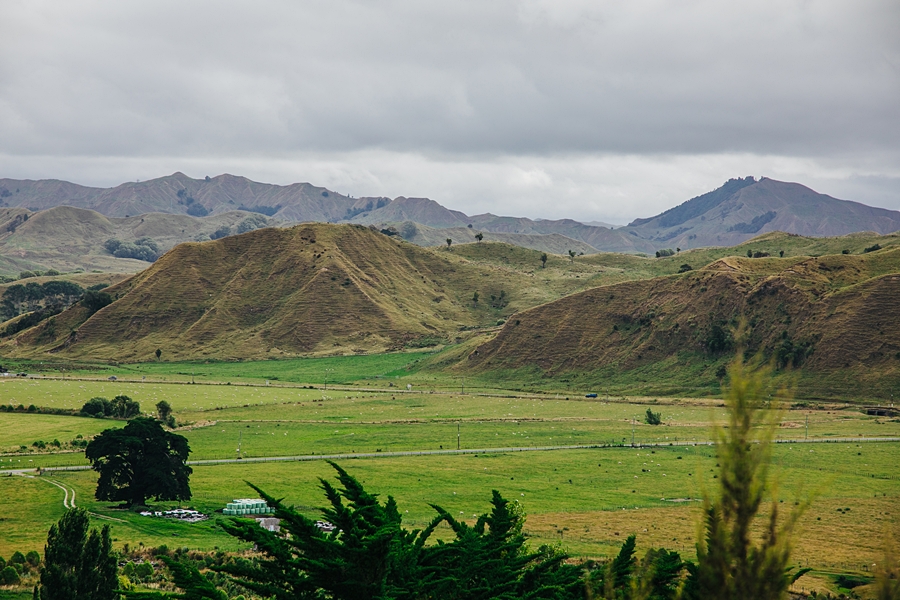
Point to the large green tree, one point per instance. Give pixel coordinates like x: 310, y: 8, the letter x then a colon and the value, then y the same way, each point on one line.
x: 140, y: 461
x: 78, y: 565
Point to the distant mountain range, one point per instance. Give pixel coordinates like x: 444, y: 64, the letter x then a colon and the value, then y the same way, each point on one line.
x: 739, y: 210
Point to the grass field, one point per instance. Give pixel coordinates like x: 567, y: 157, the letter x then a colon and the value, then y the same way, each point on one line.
x: 586, y: 500
x: 279, y: 421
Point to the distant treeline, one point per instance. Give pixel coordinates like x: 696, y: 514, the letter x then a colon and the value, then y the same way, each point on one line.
x: 32, y: 296
x: 120, y: 407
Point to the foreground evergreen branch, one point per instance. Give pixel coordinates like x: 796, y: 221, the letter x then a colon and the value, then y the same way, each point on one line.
x: 733, y: 563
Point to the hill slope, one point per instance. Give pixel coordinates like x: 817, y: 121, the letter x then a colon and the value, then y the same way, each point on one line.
x: 744, y: 208
x: 832, y: 315
x: 67, y: 238
x: 309, y: 289
x: 422, y: 235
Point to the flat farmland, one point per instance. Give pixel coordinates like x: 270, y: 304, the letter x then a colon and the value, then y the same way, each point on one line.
x: 278, y: 421
x: 587, y: 500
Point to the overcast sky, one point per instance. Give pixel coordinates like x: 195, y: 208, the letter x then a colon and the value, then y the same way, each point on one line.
x: 540, y: 108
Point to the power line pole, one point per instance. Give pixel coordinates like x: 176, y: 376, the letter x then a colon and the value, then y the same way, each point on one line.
x: 632, y: 431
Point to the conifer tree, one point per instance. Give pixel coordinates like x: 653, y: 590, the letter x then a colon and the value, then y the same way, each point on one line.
x: 733, y: 564
x: 77, y: 565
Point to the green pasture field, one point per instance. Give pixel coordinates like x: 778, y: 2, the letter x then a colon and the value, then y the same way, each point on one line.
x: 318, y: 371
x: 586, y: 500
x: 273, y: 421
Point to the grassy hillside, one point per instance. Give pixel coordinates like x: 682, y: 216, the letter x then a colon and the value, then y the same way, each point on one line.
x: 66, y: 238
x: 311, y: 289
x: 642, y: 326
x: 829, y: 315
x: 423, y: 235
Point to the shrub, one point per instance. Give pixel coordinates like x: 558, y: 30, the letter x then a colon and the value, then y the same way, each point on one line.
x: 872, y: 248
x: 251, y: 223
x: 197, y: 210
x: 97, y: 407
x: 653, y: 418
x: 33, y: 558
x: 718, y: 340
x: 9, y: 576
x: 685, y: 268
x: 94, y: 301
x: 221, y: 232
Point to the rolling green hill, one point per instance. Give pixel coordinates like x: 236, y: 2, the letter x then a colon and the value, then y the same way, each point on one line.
x: 601, y: 319
x: 830, y: 317
x: 423, y: 235
x: 309, y: 289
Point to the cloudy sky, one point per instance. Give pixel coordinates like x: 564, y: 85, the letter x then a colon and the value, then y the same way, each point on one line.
x: 589, y: 109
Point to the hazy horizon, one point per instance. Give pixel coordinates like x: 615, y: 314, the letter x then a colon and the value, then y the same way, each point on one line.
x: 547, y: 109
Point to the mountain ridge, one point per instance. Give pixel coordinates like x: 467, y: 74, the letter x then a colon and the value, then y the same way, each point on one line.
x: 728, y: 215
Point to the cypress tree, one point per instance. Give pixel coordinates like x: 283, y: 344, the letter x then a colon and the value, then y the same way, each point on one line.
x: 77, y: 565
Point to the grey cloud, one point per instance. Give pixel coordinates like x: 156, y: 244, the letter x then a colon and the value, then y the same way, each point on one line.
x: 539, y: 83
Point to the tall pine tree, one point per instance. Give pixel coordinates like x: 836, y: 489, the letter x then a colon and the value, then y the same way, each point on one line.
x: 78, y: 565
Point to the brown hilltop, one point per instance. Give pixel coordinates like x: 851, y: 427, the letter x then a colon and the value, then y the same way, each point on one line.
x: 309, y: 289
x: 841, y: 307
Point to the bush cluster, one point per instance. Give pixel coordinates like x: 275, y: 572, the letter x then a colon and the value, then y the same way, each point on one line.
x: 120, y: 407
x: 52, y: 295
x: 141, y: 249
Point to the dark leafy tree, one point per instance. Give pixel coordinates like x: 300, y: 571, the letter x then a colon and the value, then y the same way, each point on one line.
x: 572, y: 255
x: 718, y: 340
x: 223, y: 231
x: 158, y: 353
x: 120, y: 407
x: 653, y: 418
x: 95, y: 300
x: 123, y: 407
x: 252, y: 223
x: 685, y: 268
x: 449, y: 242
x: 140, y: 461
x: 163, y: 410
x: 78, y: 565
x: 97, y: 407
x: 9, y: 576
x: 197, y: 210
x: 479, y: 236
x: 543, y: 259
